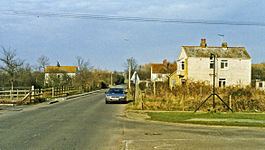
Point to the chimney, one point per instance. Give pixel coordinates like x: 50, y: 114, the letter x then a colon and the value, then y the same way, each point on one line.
x: 203, y: 43
x: 224, y: 44
x: 165, y: 62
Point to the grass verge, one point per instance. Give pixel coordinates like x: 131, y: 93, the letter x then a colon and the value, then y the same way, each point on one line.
x: 224, y: 119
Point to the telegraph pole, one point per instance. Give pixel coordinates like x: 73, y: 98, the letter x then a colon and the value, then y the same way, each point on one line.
x: 214, y: 75
x: 213, y: 94
x: 111, y: 82
x: 135, y: 86
x: 130, y: 68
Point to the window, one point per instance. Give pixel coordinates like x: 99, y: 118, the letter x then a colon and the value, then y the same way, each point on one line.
x: 182, y: 65
x: 222, y: 82
x: 260, y: 84
x: 211, y: 64
x: 224, y: 64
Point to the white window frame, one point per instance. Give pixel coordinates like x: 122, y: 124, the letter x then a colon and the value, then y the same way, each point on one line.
x: 224, y: 64
x: 222, y: 82
x: 260, y: 84
x: 182, y: 65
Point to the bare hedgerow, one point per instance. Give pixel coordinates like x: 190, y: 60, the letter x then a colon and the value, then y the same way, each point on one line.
x: 187, y: 97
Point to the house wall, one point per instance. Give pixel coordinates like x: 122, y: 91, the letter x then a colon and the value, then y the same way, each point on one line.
x: 47, y: 75
x: 173, y: 80
x: 237, y: 73
x: 159, y: 77
x: 182, y: 74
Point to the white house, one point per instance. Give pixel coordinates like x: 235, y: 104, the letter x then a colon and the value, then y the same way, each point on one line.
x: 233, y: 64
x: 161, y: 72
x: 59, y: 71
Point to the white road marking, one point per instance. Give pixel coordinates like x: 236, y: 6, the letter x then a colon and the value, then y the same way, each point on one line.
x: 165, y: 146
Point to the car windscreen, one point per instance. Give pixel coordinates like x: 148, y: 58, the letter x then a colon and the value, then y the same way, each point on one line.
x: 116, y: 91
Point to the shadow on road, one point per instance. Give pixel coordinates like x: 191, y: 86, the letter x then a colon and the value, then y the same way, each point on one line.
x: 128, y: 101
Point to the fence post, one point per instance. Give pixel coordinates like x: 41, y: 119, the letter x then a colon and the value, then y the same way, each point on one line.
x: 154, y: 88
x: 52, y: 92
x: 17, y: 94
x: 230, y: 101
x: 11, y: 96
x: 33, y: 91
x: 41, y: 93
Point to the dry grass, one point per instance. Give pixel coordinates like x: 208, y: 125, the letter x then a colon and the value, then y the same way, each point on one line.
x: 188, y: 97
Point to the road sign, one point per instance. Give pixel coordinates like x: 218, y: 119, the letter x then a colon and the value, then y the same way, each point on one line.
x: 135, y: 77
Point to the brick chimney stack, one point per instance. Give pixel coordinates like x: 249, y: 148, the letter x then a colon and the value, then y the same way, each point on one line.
x: 203, y: 43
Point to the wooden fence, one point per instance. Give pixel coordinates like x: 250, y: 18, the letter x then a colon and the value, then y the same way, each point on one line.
x: 32, y: 95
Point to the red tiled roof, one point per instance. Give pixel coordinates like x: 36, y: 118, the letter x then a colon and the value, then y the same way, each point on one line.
x: 164, y: 68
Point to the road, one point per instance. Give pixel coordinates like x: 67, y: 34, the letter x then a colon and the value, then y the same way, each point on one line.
x: 82, y: 123
x: 88, y: 123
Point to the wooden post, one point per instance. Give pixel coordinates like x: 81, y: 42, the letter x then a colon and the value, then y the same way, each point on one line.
x: 154, y: 88
x: 230, y: 101
x: 33, y: 91
x: 11, y: 96
x: 201, y: 91
x: 129, y: 76
x: 142, y: 100
x: 17, y: 94
x: 40, y: 93
x: 52, y: 91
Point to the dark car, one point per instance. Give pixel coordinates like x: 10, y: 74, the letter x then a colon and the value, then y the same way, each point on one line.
x: 115, y: 95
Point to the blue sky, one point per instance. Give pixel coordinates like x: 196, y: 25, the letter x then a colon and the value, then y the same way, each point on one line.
x: 107, y: 44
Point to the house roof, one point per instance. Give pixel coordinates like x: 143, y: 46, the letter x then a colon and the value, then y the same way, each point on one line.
x: 164, y: 68
x: 229, y: 52
x: 61, y: 69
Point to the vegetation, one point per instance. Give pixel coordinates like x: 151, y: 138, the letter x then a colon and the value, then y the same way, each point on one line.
x: 228, y: 119
x: 16, y: 73
x: 11, y: 64
x: 258, y: 71
x: 188, y: 97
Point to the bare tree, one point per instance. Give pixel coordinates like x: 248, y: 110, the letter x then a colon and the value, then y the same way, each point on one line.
x: 11, y: 63
x: 43, y: 61
x: 82, y: 63
x: 131, y: 62
x: 130, y: 65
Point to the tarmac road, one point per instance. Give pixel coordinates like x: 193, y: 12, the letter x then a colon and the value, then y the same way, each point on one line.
x: 90, y: 124
x: 82, y: 123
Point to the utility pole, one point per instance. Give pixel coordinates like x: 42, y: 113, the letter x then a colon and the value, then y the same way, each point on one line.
x: 213, y: 94
x: 130, y: 68
x: 111, y: 82
x: 135, y: 86
x: 214, y: 75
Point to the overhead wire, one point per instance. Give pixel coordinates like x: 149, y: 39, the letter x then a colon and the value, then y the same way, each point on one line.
x: 128, y: 18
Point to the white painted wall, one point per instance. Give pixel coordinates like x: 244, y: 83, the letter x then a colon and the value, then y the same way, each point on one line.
x: 258, y: 82
x: 47, y: 75
x: 159, y: 77
x: 238, y: 72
